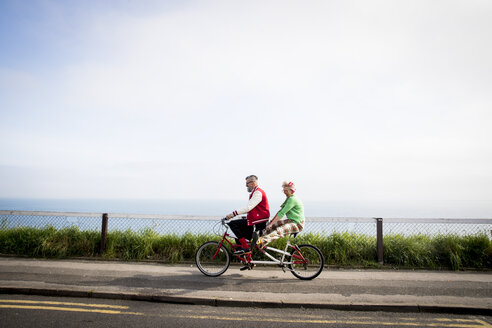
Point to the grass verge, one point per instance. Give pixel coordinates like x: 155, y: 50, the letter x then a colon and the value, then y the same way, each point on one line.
x: 339, y: 249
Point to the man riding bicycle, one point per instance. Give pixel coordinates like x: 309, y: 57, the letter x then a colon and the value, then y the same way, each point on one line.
x: 258, y: 215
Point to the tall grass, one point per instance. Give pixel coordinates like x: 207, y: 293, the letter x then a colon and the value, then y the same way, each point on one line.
x: 442, y: 251
x: 49, y: 242
x: 340, y: 249
x: 147, y: 244
x: 410, y: 251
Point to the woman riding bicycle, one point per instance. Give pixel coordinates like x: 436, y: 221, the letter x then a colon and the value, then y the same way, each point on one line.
x: 277, y: 228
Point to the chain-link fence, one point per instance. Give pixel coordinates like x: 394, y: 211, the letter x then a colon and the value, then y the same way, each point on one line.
x: 83, y: 221
x: 166, y: 224
x: 432, y: 227
x: 362, y: 231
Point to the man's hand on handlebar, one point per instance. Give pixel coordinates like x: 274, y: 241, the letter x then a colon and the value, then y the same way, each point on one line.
x: 229, y: 216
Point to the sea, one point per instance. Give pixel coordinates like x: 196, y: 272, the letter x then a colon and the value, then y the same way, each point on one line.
x: 203, y: 207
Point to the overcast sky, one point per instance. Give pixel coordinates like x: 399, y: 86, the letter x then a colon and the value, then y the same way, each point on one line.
x: 385, y: 102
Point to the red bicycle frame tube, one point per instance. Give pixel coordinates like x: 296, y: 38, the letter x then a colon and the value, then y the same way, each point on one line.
x: 224, y: 237
x: 303, y: 260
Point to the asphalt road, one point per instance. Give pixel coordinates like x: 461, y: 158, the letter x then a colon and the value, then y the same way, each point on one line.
x: 39, y: 311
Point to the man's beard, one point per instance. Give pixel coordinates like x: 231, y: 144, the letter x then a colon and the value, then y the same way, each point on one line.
x: 249, y: 189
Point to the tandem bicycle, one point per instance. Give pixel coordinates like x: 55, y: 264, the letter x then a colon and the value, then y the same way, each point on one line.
x: 213, y: 258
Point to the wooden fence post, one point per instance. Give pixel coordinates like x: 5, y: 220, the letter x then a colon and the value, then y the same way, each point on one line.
x: 379, y: 232
x: 104, y: 232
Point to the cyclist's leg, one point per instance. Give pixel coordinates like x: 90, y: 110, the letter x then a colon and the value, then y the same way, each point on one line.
x: 260, y: 227
x: 248, y: 231
x: 273, y: 226
x: 282, y: 230
x: 237, y: 227
x: 241, y: 230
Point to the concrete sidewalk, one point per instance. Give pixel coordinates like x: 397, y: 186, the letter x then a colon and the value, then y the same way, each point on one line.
x: 373, y: 290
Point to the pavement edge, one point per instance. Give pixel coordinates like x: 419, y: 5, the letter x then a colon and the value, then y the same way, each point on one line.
x: 415, y: 308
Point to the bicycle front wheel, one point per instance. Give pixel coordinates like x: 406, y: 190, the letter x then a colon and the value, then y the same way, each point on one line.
x: 307, y: 262
x: 211, y: 260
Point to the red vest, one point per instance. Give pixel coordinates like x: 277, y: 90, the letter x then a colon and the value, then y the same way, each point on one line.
x: 261, y: 212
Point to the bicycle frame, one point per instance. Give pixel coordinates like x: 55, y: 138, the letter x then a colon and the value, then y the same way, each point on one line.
x: 304, y: 261
x: 247, y: 258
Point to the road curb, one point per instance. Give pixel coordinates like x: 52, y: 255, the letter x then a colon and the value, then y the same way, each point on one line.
x: 413, y: 308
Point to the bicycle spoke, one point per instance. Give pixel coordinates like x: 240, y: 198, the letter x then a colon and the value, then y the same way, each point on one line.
x: 212, y: 259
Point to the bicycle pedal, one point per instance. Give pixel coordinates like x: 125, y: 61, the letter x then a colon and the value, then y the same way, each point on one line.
x: 247, y: 267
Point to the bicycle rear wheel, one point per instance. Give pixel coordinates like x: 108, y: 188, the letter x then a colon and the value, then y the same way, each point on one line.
x: 211, y: 260
x: 307, y: 262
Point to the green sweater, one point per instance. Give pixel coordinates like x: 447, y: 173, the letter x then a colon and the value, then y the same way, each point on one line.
x: 293, y: 208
